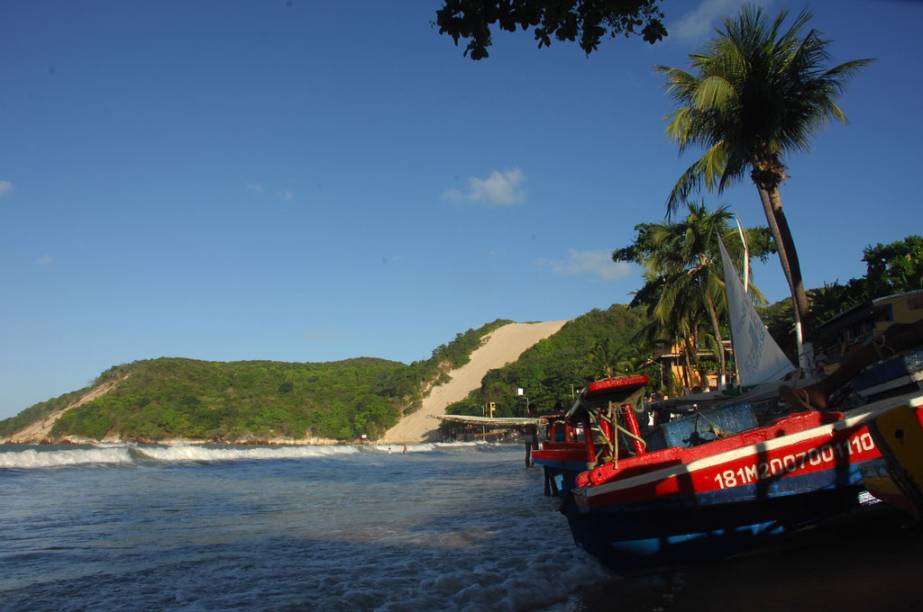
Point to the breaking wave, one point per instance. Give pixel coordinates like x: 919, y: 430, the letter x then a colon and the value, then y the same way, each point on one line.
x: 193, y: 452
x: 128, y: 454
x: 31, y: 458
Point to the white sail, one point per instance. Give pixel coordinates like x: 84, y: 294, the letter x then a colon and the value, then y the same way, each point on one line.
x: 759, y: 358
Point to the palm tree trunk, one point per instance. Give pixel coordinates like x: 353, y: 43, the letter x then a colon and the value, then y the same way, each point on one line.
x: 798, y: 291
x: 766, y: 201
x: 788, y: 256
x: 692, y: 358
x: 687, y: 371
x: 716, y: 329
x: 768, y: 173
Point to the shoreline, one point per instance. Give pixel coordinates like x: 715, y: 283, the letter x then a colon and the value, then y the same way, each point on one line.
x: 77, y: 441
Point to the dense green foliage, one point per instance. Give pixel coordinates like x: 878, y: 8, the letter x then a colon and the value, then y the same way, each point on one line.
x: 894, y: 267
x: 683, y: 290
x: 565, y: 20
x: 891, y: 268
x: 38, y: 412
x: 412, y: 383
x: 171, y: 397
x: 584, y: 350
x: 184, y: 398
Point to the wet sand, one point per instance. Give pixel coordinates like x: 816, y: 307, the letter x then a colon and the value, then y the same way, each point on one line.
x: 869, y: 560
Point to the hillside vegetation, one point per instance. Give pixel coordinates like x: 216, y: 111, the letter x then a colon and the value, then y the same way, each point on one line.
x: 166, y: 398
x: 591, y: 346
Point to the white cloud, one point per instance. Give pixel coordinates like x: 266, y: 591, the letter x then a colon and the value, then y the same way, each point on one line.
x: 501, y: 188
x: 286, y: 195
x: 454, y: 195
x: 45, y: 260
x: 5, y: 188
x: 597, y: 263
x: 697, y: 24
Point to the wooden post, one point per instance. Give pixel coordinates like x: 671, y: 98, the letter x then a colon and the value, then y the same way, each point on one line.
x: 531, y: 441
x: 588, y: 442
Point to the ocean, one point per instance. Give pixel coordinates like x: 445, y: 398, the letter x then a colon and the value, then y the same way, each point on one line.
x: 440, y: 526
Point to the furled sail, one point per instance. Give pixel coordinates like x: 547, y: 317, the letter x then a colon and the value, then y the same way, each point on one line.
x: 759, y: 358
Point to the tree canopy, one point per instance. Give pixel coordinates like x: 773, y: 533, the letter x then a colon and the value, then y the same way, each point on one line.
x: 565, y: 20
x: 684, y: 285
x: 587, y: 348
x: 757, y: 92
x: 895, y: 267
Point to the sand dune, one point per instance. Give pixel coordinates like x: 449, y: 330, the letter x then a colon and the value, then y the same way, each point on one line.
x: 503, y: 346
x: 40, y: 431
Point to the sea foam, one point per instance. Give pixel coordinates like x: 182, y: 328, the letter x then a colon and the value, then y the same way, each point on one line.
x: 30, y: 458
x: 109, y: 454
x: 194, y: 452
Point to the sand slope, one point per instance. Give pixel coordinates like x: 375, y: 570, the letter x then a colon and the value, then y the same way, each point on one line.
x: 503, y: 346
x: 41, y: 430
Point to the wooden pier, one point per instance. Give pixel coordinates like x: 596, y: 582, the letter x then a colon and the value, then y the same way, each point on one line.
x: 498, y: 426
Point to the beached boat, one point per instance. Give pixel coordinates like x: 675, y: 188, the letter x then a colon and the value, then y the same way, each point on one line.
x: 566, y: 450
x: 688, y: 502
x: 897, y: 476
x: 729, y: 477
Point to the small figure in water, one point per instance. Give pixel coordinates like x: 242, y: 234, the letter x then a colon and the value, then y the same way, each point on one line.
x: 404, y: 451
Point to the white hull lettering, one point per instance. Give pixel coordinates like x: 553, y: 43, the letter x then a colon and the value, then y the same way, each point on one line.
x: 794, y: 462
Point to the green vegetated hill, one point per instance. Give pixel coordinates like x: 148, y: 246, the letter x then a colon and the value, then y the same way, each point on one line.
x: 165, y: 398
x: 590, y: 347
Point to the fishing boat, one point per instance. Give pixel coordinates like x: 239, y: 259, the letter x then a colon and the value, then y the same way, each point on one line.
x: 730, y: 477
x: 695, y: 501
x: 567, y: 449
x: 897, y: 476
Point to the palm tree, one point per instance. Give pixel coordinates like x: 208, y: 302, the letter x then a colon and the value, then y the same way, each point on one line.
x: 756, y: 94
x: 603, y: 355
x: 684, y: 288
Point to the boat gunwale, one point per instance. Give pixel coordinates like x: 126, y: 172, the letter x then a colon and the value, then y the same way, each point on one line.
x: 852, y: 418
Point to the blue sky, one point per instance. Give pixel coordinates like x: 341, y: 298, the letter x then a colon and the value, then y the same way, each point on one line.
x: 311, y: 181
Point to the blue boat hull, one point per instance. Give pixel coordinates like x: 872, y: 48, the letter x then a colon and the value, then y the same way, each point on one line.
x: 563, y: 474
x: 710, y: 526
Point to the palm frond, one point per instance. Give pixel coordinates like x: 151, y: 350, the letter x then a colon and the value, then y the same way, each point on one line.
x: 713, y: 163
x: 690, y: 180
x: 761, y: 88
x: 713, y: 93
x: 679, y: 82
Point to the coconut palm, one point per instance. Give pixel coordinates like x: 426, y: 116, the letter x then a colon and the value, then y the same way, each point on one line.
x: 756, y: 94
x: 684, y: 288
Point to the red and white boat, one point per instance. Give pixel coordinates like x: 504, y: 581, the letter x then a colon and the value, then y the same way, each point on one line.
x: 735, y: 492
x: 564, y: 452
x: 723, y: 480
